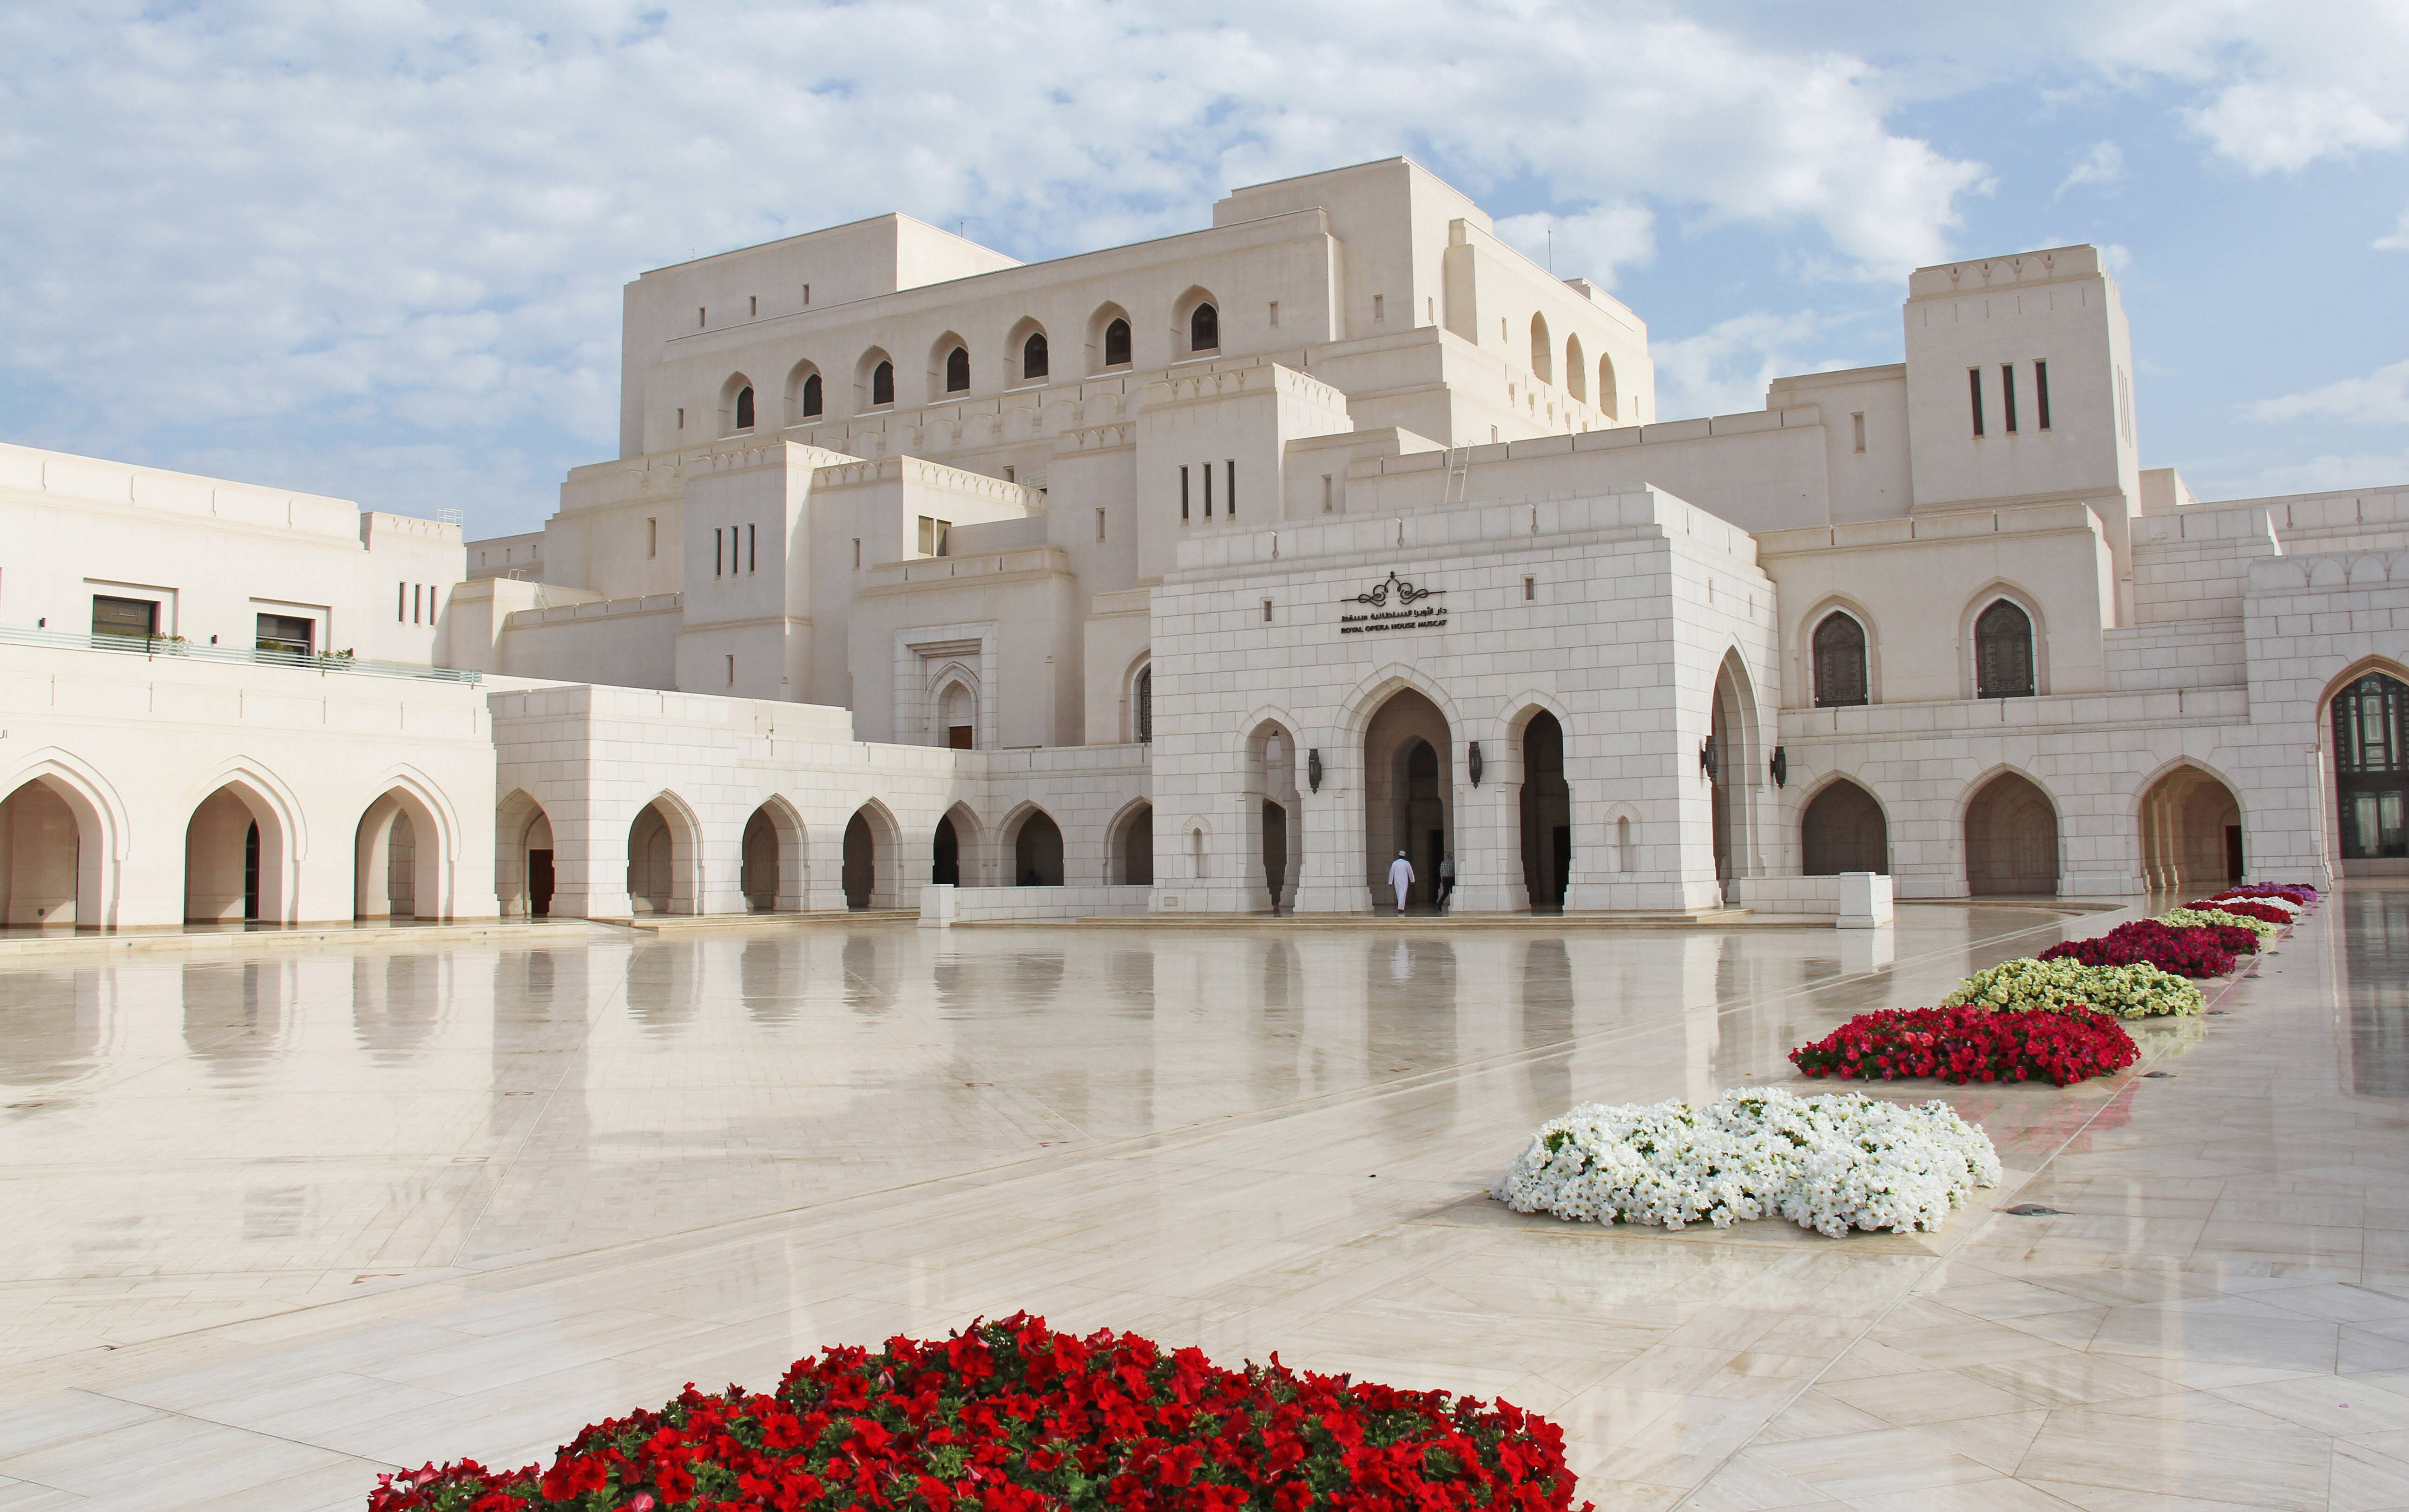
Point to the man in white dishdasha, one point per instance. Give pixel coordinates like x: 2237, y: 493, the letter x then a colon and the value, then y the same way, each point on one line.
x: 1401, y: 876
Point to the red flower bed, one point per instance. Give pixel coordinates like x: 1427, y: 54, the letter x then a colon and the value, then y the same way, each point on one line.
x: 2199, y: 951
x: 2243, y: 909
x: 2059, y: 1045
x: 1012, y: 1417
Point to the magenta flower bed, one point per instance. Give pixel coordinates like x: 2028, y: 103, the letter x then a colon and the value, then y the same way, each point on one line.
x: 2292, y: 892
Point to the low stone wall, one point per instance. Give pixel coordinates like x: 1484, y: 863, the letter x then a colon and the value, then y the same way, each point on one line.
x: 1853, y: 900
x: 942, y: 904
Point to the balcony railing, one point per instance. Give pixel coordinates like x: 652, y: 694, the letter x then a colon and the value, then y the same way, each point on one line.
x: 158, y: 646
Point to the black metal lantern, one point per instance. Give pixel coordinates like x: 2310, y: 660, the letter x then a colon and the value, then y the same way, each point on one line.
x: 1708, y: 758
x: 1780, y: 765
x: 1473, y: 759
x: 1313, y: 769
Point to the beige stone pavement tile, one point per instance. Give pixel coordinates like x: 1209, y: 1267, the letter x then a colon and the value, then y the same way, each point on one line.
x: 1746, y: 1484
x: 2365, y: 1480
x: 2185, y: 1456
x: 2118, y: 1499
x: 1850, y: 1466
x: 1925, y: 1397
x: 1999, y: 1494
x: 1966, y: 1342
x: 2342, y: 1407
x: 2066, y: 1378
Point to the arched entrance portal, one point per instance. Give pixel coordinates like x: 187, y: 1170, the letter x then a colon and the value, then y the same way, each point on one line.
x: 1037, y: 851
x: 398, y: 861
x: 1547, y: 808
x: 2011, y: 840
x: 1843, y: 830
x: 771, y: 872
x: 1408, y: 794
x: 946, y: 855
x: 41, y: 859
x: 2370, y: 729
x: 1279, y: 833
x: 1133, y: 852
x: 234, y: 858
x: 660, y: 860
x: 2191, y: 832
x: 870, y: 875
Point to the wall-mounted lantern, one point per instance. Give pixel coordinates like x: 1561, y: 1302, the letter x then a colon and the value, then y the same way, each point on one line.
x: 1313, y: 769
x: 1473, y: 760
x: 1780, y: 765
x: 1708, y: 758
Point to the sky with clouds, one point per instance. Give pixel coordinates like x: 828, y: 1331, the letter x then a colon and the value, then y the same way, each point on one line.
x: 376, y: 250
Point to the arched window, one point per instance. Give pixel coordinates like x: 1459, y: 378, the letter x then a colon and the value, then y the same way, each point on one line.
x: 882, y: 384
x: 1033, y: 355
x: 957, y: 370
x: 1840, y: 662
x: 1543, y: 354
x: 744, y: 407
x: 1607, y: 399
x: 811, y: 395
x: 2370, y: 726
x: 1204, y: 329
x: 1142, y: 704
x: 2003, y: 653
x: 1117, y: 342
x: 1576, y: 369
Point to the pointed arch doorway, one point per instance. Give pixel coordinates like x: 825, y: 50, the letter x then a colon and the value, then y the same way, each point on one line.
x: 1409, y: 795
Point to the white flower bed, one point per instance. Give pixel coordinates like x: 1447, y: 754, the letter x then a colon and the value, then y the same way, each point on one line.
x: 1831, y: 1162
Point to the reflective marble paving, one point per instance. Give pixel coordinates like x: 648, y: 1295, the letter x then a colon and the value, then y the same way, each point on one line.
x: 282, y: 1221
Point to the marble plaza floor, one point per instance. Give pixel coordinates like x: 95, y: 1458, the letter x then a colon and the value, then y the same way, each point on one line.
x: 278, y: 1220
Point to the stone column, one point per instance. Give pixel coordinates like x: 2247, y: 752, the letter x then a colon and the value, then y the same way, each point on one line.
x: 589, y: 863
x: 1332, y: 879
x: 1488, y: 838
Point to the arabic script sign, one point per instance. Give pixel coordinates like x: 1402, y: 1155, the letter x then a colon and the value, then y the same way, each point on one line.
x: 1405, y: 617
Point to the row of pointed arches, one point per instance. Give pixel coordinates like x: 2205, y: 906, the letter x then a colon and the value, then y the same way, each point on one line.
x: 1029, y: 355
x: 2191, y: 825
x: 1576, y: 369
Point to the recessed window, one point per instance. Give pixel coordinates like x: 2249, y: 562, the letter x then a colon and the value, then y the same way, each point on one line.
x: 807, y: 294
x: 1329, y: 494
x: 1230, y: 477
x: 2003, y: 653
x: 2040, y: 394
x: 1183, y: 493
x: 1430, y: 309
x: 1267, y: 612
x: 957, y: 370
x: 125, y: 616
x: 681, y: 417
x: 1205, y: 329
x: 856, y: 554
x: 1034, y: 361
x: 882, y: 384
x: 2008, y: 395
x: 288, y: 633
x: 933, y: 535
x: 718, y: 554
x: 1011, y: 473
x: 1974, y: 394
x: 1840, y: 662
x: 1530, y: 589
x: 1208, y: 490
x: 400, y: 606
x: 752, y: 304
x: 652, y: 538
x: 1380, y: 306
x: 744, y: 407
x: 731, y: 669
x: 1274, y: 314
x: 1858, y: 424
x: 752, y: 548
x: 1116, y: 343
x: 1100, y: 524
x: 699, y: 320
x: 812, y: 392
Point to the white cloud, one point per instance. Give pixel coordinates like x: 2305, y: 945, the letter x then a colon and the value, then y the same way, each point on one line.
x: 1725, y: 369
x: 2381, y: 398
x: 391, y: 227
x: 1593, y: 244
x: 2266, y: 126
x: 2102, y: 163
x: 2327, y: 473
x: 2398, y: 240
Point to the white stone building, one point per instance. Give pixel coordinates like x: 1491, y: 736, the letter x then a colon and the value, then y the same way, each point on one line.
x: 1206, y: 574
